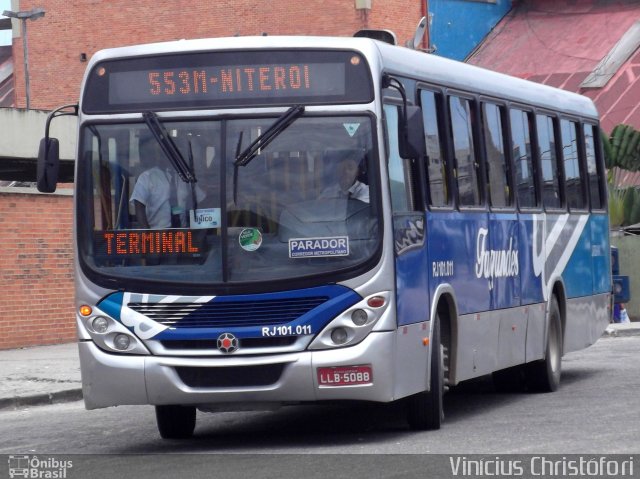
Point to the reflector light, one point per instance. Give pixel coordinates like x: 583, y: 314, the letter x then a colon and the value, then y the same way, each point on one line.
x: 85, y: 310
x: 375, y: 302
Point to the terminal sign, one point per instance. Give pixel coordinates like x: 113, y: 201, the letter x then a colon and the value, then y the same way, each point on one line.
x: 142, y: 243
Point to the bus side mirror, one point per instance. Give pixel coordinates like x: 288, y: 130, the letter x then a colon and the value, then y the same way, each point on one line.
x: 411, y: 134
x: 48, y: 165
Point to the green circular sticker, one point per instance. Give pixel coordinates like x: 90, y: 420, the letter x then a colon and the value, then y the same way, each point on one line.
x: 250, y: 239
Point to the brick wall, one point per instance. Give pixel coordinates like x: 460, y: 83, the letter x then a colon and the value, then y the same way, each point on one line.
x: 72, y: 27
x: 36, y: 277
x: 36, y: 270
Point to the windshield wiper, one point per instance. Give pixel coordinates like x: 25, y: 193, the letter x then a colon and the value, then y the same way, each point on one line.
x: 170, y: 149
x: 269, y: 135
x: 235, y: 169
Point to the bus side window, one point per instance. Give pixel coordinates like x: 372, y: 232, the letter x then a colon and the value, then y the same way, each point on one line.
x: 523, y: 159
x: 498, y: 177
x: 402, y: 181
x: 549, y: 162
x: 595, y: 176
x: 436, y: 166
x: 574, y: 189
x: 467, y: 164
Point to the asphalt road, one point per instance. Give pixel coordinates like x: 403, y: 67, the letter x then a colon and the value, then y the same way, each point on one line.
x: 595, y: 411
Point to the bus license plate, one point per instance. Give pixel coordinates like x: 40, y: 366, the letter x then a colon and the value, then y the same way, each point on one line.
x: 345, y: 376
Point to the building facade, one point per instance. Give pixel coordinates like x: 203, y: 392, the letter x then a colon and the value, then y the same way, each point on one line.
x: 458, y: 26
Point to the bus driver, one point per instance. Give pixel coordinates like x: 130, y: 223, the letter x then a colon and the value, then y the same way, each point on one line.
x: 348, y: 185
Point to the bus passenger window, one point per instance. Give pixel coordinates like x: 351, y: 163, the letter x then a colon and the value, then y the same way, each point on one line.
x: 595, y: 190
x: 573, y: 178
x: 400, y: 178
x: 523, y: 159
x: 466, y: 162
x: 497, y: 166
x: 549, y: 162
x: 436, y: 162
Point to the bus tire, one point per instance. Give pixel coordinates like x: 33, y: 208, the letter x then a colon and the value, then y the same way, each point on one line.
x: 544, y: 375
x: 424, y: 410
x: 176, y: 422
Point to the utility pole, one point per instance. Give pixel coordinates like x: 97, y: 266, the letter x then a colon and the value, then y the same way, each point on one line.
x: 24, y: 16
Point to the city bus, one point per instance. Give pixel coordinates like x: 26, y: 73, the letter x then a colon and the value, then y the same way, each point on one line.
x: 269, y: 221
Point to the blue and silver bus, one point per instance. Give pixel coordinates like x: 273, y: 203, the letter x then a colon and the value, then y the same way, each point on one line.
x: 291, y: 220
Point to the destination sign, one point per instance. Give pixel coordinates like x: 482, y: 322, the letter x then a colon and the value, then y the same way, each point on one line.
x: 220, y: 83
x: 227, y: 79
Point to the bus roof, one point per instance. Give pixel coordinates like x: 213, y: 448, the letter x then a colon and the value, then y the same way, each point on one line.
x: 396, y: 60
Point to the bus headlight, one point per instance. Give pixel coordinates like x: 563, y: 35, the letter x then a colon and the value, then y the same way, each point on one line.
x: 100, y: 325
x: 339, y: 335
x: 359, y: 317
x: 122, y: 341
x: 354, y: 324
x: 108, y: 333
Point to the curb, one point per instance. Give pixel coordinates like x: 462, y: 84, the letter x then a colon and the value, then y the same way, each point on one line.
x: 57, y: 397
x: 621, y: 332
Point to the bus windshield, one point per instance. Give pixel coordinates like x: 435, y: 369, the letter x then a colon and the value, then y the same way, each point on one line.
x: 305, y: 205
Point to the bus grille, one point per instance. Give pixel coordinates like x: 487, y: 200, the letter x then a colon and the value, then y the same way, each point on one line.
x: 227, y: 314
x: 230, y: 376
x: 245, y: 343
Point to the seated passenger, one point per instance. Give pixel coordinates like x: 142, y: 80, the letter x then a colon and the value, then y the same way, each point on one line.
x: 161, y: 199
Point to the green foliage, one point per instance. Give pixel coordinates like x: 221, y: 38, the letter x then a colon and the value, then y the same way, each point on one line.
x: 627, y: 204
x: 634, y: 214
x: 616, y: 210
x: 622, y: 159
x: 623, y: 149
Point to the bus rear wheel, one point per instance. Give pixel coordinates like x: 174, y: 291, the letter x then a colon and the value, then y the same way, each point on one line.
x: 176, y: 422
x: 544, y: 375
x: 424, y: 410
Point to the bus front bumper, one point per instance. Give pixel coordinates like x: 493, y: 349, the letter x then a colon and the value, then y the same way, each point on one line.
x: 120, y: 379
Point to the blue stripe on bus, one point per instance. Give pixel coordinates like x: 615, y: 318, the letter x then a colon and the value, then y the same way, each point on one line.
x: 112, y: 305
x: 496, y: 261
x: 339, y: 299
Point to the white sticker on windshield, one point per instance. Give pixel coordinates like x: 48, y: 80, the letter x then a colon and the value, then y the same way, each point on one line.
x: 205, y: 218
x: 250, y: 239
x: 318, y: 247
x: 351, y: 128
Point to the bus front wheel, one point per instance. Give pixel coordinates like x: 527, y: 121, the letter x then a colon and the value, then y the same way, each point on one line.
x: 424, y: 410
x: 176, y: 422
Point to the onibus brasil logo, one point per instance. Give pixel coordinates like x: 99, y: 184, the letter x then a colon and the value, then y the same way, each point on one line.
x: 35, y: 467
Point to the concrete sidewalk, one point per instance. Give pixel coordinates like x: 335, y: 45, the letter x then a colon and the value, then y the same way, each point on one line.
x: 39, y: 375
x: 51, y: 374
